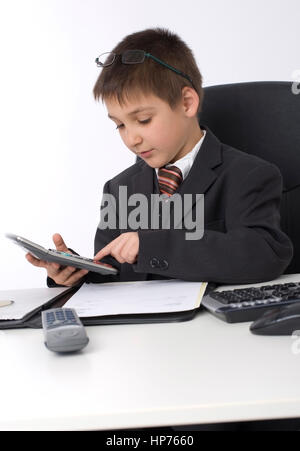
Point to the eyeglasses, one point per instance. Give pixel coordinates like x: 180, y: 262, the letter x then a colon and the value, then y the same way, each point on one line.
x: 136, y: 57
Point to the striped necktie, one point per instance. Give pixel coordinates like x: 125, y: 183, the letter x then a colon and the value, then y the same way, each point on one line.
x: 169, y: 179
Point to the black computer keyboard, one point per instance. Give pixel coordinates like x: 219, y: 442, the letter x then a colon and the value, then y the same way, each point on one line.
x: 248, y: 304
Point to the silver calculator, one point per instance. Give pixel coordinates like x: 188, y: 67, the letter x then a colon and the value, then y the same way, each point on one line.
x: 63, y: 330
x: 63, y: 258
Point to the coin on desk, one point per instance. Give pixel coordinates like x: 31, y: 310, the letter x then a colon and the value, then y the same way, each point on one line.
x: 5, y: 303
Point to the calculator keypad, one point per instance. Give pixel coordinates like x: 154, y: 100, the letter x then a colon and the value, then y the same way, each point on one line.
x: 83, y: 259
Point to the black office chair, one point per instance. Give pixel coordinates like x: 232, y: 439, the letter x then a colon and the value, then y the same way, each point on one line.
x: 263, y: 119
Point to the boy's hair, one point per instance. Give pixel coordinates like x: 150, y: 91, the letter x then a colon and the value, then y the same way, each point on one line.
x: 121, y: 81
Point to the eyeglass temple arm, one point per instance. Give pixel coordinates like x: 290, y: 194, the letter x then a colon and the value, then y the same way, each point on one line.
x: 99, y: 64
x: 170, y: 67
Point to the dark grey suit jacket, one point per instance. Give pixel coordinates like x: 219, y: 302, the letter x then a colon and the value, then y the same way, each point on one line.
x: 242, y: 241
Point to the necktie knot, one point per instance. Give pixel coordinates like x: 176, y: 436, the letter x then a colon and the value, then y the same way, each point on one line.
x: 169, y: 179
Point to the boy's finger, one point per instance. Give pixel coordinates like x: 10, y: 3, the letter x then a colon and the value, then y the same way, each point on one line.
x: 59, y: 243
x: 67, y: 272
x: 53, y: 271
x: 55, y: 266
x: 76, y: 277
x: 35, y: 261
x: 61, y: 276
x: 105, y: 251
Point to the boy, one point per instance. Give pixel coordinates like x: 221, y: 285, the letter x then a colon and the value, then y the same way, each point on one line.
x: 153, y: 92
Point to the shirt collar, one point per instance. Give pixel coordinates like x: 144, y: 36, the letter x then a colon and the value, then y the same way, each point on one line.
x: 185, y: 163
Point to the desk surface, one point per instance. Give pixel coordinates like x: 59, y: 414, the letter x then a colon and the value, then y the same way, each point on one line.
x: 131, y: 376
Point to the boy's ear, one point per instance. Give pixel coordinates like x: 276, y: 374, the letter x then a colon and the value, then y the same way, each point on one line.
x: 190, y: 101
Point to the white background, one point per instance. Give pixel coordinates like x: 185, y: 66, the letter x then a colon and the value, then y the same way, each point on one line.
x: 57, y: 145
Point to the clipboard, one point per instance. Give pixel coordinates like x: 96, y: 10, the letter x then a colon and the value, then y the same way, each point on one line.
x: 34, y: 319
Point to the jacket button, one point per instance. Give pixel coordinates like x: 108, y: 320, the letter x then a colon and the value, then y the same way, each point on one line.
x: 154, y: 263
x: 164, y: 264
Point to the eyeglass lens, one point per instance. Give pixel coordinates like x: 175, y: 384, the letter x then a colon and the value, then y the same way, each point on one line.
x: 133, y: 57
x: 106, y: 59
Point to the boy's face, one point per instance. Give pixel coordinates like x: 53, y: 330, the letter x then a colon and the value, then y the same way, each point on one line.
x: 152, y: 130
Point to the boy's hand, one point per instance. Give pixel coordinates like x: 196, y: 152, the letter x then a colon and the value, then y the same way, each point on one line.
x: 62, y: 275
x: 125, y: 248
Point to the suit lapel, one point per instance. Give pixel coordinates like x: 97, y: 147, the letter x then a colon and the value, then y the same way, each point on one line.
x: 144, y: 182
x: 201, y: 175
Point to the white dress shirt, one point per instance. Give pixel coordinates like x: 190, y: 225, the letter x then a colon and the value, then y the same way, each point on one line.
x: 185, y: 163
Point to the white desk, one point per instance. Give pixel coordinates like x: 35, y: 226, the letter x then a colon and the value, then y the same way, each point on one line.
x: 132, y: 376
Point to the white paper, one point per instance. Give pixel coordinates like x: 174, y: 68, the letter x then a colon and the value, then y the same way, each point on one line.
x: 153, y: 296
x: 25, y: 301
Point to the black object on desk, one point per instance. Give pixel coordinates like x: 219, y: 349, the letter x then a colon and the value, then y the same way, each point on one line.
x: 278, y: 321
x: 248, y: 304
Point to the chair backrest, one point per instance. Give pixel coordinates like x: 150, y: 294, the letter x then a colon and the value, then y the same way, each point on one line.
x: 263, y: 119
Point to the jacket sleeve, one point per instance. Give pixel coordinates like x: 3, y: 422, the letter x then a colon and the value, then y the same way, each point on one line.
x: 253, y: 249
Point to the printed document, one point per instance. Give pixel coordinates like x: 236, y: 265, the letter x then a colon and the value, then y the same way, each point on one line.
x: 121, y: 298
